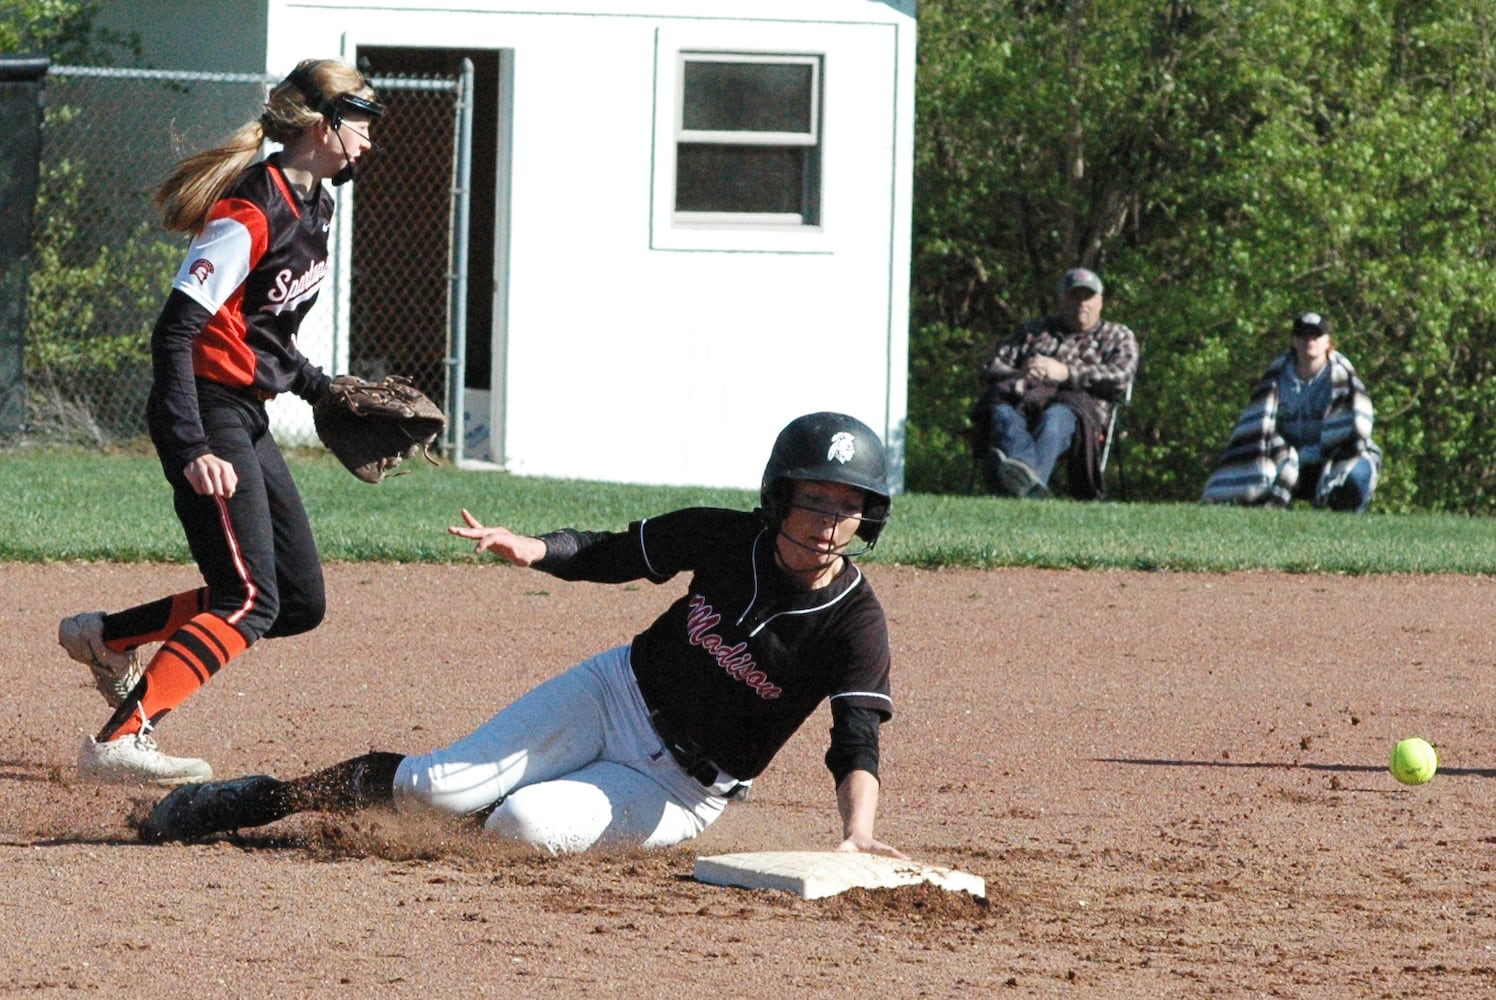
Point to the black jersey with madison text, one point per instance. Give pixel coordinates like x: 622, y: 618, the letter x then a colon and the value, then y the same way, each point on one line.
x: 744, y: 657
x: 248, y: 279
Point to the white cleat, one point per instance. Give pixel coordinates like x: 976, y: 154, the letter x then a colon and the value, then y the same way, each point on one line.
x: 115, y: 674
x: 135, y: 759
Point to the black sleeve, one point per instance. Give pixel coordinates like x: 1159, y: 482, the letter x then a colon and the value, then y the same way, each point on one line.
x: 181, y: 320
x: 311, y: 382
x: 654, y: 549
x: 595, y: 556
x: 854, y: 740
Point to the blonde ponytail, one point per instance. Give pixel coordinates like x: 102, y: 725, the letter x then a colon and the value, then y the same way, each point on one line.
x: 187, y: 196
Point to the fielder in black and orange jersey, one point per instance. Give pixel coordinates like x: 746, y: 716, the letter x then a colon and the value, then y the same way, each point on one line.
x: 225, y: 344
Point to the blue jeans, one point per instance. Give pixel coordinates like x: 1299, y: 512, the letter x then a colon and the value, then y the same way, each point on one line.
x: 1354, y: 494
x: 1038, y: 445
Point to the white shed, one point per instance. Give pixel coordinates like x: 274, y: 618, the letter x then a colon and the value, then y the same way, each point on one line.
x: 700, y: 226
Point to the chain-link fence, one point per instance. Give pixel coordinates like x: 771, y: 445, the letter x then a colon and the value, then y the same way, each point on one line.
x: 102, y: 266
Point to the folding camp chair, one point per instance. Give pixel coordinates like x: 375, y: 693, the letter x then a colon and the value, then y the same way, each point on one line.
x: 1111, y: 435
x: 973, y: 436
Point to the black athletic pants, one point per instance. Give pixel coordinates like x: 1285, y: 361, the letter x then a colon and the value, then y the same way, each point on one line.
x: 255, y: 549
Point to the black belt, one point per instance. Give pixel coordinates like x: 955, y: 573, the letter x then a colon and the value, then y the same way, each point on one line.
x: 251, y: 392
x: 691, y: 758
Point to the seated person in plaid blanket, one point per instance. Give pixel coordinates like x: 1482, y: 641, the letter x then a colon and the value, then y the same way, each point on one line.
x: 1306, y: 432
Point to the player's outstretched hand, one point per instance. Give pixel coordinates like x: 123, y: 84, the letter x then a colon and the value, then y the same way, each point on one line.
x: 521, y: 550
x: 871, y: 845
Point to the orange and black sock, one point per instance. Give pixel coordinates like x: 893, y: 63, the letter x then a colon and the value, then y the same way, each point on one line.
x: 153, y: 622
x: 193, y: 654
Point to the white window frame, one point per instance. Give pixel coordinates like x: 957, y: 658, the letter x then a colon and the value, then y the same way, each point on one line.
x: 810, y: 139
x: 721, y: 232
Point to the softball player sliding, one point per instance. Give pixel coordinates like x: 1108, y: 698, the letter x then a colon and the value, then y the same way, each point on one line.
x: 646, y: 744
x: 224, y: 345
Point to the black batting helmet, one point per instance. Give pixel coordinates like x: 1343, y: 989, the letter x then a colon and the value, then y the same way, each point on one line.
x: 830, y: 448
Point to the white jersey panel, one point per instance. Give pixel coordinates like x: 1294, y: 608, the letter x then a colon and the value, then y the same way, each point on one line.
x: 217, y: 263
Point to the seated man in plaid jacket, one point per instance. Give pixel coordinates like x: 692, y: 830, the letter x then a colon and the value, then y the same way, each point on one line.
x: 1051, y: 387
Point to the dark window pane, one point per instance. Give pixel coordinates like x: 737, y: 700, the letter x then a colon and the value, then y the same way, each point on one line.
x: 747, y: 97
x: 710, y: 178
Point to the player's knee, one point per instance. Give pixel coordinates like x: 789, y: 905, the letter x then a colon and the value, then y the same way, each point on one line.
x: 298, y: 617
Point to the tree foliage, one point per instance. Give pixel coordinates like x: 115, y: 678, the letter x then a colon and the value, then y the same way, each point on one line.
x: 91, y: 291
x: 1224, y: 166
x: 66, y: 31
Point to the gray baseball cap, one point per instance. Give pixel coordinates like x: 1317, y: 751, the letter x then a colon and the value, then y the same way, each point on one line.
x: 1079, y: 277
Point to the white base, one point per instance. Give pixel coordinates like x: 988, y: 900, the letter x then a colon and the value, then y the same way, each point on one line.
x: 815, y: 874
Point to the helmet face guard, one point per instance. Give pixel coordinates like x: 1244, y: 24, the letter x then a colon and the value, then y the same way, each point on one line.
x: 346, y: 103
x: 336, y: 108
x: 830, y: 448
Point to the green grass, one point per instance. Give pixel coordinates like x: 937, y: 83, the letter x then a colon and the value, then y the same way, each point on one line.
x: 57, y: 505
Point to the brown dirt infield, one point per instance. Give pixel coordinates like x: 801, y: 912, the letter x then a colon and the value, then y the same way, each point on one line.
x: 1174, y: 785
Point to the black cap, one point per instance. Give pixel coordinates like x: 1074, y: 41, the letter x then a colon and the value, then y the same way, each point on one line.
x: 1311, y: 322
